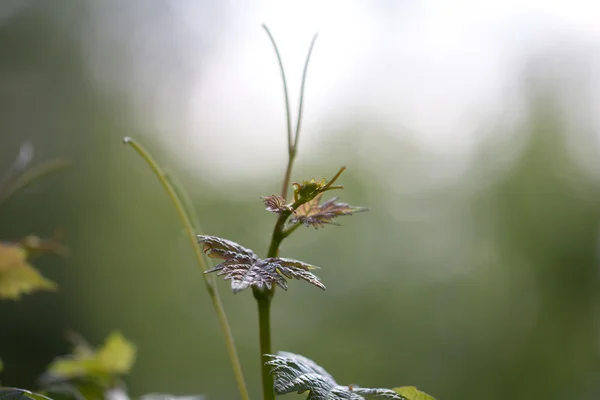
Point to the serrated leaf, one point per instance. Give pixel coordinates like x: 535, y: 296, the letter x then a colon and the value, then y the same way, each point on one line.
x: 275, y: 203
x: 17, y: 276
x: 245, y: 269
x: 295, y: 373
x: 114, y: 358
x: 8, y: 393
x: 412, y: 393
x: 317, y: 215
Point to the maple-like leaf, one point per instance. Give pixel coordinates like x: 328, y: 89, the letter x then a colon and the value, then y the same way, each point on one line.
x: 245, y: 269
x: 275, y: 203
x: 295, y: 373
x: 17, y: 276
x: 114, y: 358
x: 317, y: 215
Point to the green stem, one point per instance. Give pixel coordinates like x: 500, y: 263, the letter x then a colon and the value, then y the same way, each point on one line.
x: 263, y: 300
x: 264, y: 297
x: 288, y: 173
x: 208, y: 281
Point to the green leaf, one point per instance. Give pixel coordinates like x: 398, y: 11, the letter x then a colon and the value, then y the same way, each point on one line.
x: 114, y: 358
x: 17, y: 276
x: 1, y: 366
x: 165, y: 396
x: 295, y: 373
x: 245, y: 269
x: 412, y: 393
x: 7, y: 393
x: 308, y: 190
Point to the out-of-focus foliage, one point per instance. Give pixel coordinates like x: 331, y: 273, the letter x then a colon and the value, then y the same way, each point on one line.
x: 164, y: 396
x: 102, y: 366
x: 17, y: 276
x: 412, y: 393
x: 7, y: 393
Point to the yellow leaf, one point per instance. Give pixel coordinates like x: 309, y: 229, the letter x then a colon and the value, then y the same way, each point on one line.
x: 17, y: 276
x: 412, y: 393
x: 115, y: 357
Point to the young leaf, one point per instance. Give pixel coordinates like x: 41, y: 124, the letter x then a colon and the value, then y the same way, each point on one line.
x: 8, y: 393
x: 295, y: 373
x: 412, y: 393
x: 17, y: 276
x: 114, y: 358
x: 275, y: 203
x: 317, y: 215
x: 245, y: 269
x: 308, y: 190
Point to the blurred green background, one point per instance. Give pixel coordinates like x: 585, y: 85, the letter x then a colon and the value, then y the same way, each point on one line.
x: 473, y: 276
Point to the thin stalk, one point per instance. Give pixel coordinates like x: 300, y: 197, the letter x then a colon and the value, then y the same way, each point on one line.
x: 301, y: 106
x: 263, y: 300
x: 288, y: 174
x: 285, y: 92
x: 210, y: 286
x: 264, y: 297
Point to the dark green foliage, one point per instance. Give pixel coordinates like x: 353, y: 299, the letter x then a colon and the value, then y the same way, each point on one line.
x: 8, y: 393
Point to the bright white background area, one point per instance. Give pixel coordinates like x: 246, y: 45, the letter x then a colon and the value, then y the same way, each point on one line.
x: 205, y: 79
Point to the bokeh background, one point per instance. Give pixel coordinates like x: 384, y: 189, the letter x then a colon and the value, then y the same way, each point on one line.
x: 469, y: 129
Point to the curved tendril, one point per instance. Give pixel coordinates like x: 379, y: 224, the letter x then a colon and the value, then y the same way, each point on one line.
x: 301, y: 105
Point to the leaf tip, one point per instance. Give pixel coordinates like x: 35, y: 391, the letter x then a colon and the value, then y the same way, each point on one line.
x: 127, y: 140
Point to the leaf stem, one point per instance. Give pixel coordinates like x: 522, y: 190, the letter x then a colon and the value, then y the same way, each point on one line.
x: 208, y: 280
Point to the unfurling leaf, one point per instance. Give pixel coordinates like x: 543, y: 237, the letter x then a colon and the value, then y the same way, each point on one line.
x: 113, y: 359
x: 412, y: 393
x: 245, y: 269
x: 275, y: 203
x: 8, y: 393
x: 317, y: 215
x: 295, y: 373
x: 308, y: 190
x: 17, y: 276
